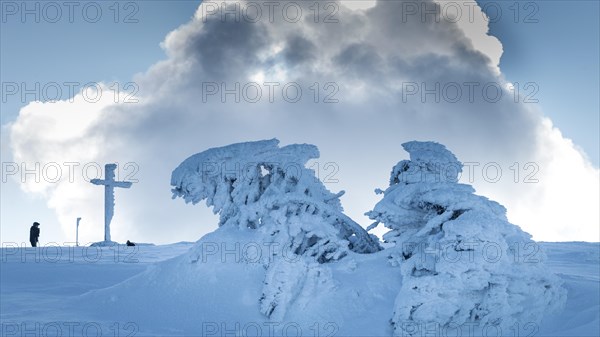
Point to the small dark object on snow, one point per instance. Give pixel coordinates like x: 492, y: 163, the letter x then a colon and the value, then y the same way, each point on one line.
x: 34, y: 234
x: 129, y: 243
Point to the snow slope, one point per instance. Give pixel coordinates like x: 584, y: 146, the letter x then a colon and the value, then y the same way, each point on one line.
x: 139, y: 292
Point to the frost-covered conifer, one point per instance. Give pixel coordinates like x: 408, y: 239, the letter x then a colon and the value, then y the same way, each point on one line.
x: 464, y: 265
x: 260, y: 186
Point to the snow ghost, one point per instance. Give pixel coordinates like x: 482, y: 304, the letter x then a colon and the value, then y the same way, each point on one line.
x: 464, y: 265
x: 260, y: 186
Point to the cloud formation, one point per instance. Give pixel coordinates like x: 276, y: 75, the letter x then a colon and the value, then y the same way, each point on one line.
x: 357, y: 83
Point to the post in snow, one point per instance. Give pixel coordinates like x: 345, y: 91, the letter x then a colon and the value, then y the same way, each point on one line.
x: 109, y: 195
x: 77, y: 233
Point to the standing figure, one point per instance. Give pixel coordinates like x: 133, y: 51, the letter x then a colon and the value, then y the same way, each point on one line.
x: 34, y: 234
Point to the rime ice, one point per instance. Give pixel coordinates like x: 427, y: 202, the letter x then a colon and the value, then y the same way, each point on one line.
x: 462, y: 262
x: 258, y: 185
x: 109, y: 196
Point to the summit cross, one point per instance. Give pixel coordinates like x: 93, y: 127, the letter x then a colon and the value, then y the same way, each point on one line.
x: 109, y: 195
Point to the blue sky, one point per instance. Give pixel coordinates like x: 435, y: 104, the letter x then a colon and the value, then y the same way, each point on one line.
x: 83, y: 51
x: 558, y: 52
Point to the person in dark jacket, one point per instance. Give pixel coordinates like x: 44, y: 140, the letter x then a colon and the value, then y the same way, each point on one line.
x: 130, y: 244
x: 34, y: 234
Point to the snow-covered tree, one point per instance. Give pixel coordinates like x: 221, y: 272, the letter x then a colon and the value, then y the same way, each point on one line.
x: 260, y: 186
x: 464, y: 266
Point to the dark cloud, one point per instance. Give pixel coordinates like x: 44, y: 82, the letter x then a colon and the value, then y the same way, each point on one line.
x: 226, y: 47
x: 299, y: 51
x: 360, y: 60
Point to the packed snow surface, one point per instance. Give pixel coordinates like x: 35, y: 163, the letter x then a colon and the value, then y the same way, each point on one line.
x: 139, y: 291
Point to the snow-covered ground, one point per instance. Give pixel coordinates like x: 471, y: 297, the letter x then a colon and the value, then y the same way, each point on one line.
x: 147, y: 290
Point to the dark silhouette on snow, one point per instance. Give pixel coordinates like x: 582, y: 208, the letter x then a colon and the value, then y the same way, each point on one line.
x: 130, y: 244
x: 34, y: 234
